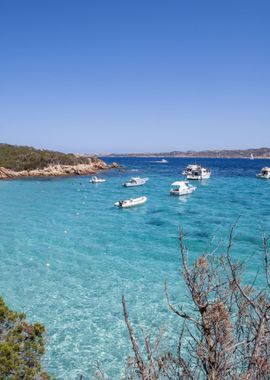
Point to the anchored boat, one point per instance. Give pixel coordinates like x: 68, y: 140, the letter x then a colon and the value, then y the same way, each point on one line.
x: 264, y: 174
x: 190, y: 168
x: 131, y: 202
x: 181, y: 188
x: 196, y: 172
x: 97, y: 180
x: 135, y: 181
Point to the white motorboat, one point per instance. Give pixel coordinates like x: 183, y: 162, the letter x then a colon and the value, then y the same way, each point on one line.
x: 97, y: 180
x: 131, y: 202
x: 190, y: 168
x: 181, y: 188
x: 135, y: 181
x: 196, y: 172
x: 264, y: 174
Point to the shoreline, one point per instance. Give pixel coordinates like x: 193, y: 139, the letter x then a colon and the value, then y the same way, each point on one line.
x: 58, y: 171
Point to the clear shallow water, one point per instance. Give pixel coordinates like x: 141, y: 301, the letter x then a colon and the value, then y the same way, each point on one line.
x: 96, y: 252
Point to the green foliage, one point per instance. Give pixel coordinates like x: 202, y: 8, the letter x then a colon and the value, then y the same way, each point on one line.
x: 26, y: 158
x: 21, y: 347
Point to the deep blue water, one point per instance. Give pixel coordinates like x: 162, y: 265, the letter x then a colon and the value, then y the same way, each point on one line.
x: 67, y: 255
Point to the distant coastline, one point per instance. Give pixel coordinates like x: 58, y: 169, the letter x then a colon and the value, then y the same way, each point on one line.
x: 258, y: 153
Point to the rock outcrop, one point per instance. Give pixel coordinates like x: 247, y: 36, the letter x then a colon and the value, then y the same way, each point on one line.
x: 59, y: 170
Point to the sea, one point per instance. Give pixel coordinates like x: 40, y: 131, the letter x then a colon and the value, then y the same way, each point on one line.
x: 68, y: 255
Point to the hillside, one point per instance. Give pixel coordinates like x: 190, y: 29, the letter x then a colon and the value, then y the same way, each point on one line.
x: 22, y: 161
x: 236, y: 153
x: 20, y: 158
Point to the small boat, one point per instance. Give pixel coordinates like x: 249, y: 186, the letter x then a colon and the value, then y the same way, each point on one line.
x: 190, y: 168
x: 181, y: 188
x: 196, y: 172
x: 264, y: 174
x: 97, y: 180
x: 135, y: 181
x: 131, y: 202
x: 251, y: 157
x: 163, y: 161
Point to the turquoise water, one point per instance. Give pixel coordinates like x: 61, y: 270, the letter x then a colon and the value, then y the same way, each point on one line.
x: 67, y: 255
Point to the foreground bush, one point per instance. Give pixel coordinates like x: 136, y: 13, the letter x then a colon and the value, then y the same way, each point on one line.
x: 21, y: 347
x: 226, y: 333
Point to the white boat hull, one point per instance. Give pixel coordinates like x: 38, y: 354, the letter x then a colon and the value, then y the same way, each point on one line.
x: 198, y: 177
x: 182, y: 192
x: 97, y: 181
x: 261, y: 176
x: 131, y: 202
x: 135, y: 182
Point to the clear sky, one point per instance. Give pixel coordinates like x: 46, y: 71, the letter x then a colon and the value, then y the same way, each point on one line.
x: 135, y: 75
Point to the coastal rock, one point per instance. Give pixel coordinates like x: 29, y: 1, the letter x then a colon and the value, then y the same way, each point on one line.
x: 7, y: 173
x: 59, y: 170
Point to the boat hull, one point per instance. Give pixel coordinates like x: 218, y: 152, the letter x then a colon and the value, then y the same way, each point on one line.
x: 136, y: 182
x: 182, y: 192
x: 199, y: 177
x: 263, y: 176
x: 99, y: 181
x: 131, y: 202
x: 132, y: 184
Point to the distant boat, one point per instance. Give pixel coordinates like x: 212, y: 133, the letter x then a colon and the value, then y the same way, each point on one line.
x: 163, y: 161
x: 97, y: 180
x: 251, y: 157
x: 264, y: 174
x: 135, y: 181
x: 131, y: 202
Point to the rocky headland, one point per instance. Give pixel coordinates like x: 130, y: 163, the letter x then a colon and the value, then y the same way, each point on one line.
x: 19, y: 162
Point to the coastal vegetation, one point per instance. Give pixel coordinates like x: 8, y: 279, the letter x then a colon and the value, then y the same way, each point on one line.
x: 225, y: 333
x: 19, y: 158
x: 21, y: 347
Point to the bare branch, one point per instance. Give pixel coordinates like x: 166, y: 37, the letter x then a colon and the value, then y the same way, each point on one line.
x: 135, y: 346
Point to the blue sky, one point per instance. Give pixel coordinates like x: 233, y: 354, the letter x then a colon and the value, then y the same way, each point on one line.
x: 135, y: 75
